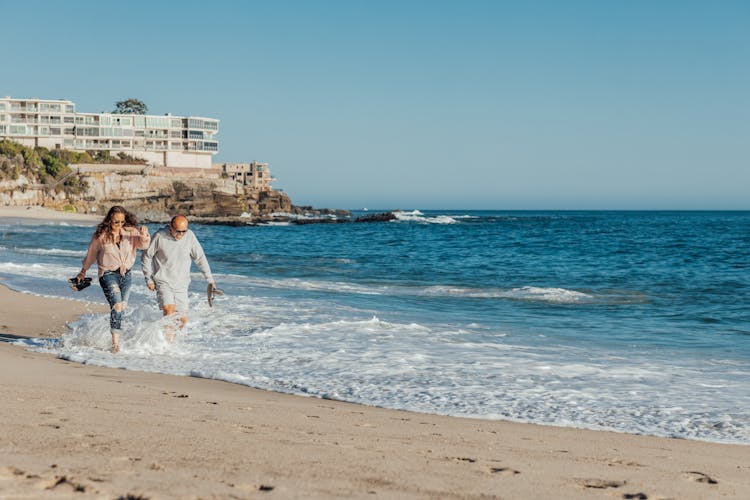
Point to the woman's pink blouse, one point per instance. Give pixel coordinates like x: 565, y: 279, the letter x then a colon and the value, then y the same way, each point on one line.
x: 109, y: 257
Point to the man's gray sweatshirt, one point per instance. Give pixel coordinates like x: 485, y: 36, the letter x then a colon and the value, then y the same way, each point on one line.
x: 167, y: 260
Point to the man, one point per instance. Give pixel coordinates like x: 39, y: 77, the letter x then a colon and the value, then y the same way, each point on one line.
x: 166, y: 267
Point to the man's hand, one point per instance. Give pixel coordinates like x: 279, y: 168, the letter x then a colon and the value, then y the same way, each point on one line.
x: 213, y: 291
x: 151, y: 285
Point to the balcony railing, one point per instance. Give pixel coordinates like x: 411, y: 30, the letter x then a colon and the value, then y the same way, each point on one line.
x: 18, y: 107
x: 16, y: 119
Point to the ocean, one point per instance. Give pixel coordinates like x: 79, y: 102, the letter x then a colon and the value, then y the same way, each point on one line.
x: 635, y: 322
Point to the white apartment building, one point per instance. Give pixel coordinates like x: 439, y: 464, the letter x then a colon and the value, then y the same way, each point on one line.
x: 163, y: 141
x: 255, y: 174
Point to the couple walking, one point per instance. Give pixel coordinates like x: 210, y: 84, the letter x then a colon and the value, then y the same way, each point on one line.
x: 165, y: 262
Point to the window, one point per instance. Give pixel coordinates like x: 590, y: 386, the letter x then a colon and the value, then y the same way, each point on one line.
x: 124, y: 121
x: 157, y: 121
x: 87, y: 131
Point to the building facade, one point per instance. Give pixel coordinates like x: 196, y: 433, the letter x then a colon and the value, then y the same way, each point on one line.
x: 163, y: 141
x: 256, y: 175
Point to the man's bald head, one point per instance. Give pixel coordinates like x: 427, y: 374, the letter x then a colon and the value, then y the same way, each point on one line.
x: 179, y: 222
x: 178, y: 225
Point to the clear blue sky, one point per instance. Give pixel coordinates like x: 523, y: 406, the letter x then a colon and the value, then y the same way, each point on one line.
x: 425, y: 104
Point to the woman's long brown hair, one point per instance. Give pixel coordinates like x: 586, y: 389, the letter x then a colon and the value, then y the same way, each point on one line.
x: 105, y: 227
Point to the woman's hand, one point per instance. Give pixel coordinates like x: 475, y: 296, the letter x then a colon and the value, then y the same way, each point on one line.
x: 80, y: 276
x: 144, y: 232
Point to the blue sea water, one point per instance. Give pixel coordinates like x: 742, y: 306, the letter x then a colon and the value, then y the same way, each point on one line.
x: 630, y: 321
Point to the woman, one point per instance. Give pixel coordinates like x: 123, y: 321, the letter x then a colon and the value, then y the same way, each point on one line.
x: 113, y: 248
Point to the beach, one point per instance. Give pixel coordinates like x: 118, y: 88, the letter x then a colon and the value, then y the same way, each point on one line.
x: 75, y: 430
x: 72, y: 430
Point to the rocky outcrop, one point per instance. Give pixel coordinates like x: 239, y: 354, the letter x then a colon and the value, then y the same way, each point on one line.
x: 151, y: 194
x: 154, y: 194
x: 381, y: 217
x: 17, y: 192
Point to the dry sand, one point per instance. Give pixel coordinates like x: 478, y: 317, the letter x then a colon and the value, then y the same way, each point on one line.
x: 41, y: 213
x: 79, y: 431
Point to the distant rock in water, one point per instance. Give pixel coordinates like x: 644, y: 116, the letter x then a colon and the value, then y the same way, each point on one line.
x: 381, y: 217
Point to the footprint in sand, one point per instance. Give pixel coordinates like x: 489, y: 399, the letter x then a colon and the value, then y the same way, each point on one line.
x: 504, y: 471
x: 63, y: 481
x: 600, y: 484
x: 699, y: 477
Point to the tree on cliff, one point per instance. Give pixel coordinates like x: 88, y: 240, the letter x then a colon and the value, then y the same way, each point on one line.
x: 130, y: 106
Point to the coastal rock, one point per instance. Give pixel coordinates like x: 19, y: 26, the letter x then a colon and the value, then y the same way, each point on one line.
x: 154, y: 194
x: 381, y: 217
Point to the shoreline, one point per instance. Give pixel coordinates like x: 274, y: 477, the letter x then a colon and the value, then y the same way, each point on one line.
x: 105, y: 432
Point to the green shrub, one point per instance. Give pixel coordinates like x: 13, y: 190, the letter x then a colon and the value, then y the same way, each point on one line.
x: 73, y: 156
x: 54, y: 166
x: 75, y: 185
x: 9, y: 148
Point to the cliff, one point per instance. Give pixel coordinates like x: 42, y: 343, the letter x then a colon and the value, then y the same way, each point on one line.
x: 66, y: 180
x: 152, y: 194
